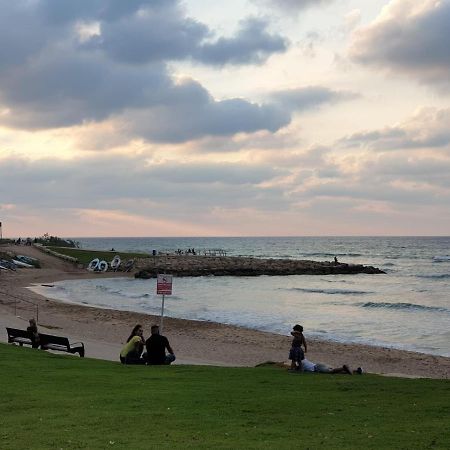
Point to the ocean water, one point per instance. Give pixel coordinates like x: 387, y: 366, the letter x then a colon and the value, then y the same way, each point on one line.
x: 407, y: 308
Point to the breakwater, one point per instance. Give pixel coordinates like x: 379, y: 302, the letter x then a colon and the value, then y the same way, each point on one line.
x: 194, y: 266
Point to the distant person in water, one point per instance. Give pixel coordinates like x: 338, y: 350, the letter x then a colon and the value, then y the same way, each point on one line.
x: 34, y: 334
x: 132, y: 350
x: 298, y: 348
x: 156, y: 348
x: 335, y: 260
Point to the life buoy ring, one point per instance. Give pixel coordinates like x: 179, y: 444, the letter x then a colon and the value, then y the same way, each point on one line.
x: 102, y: 266
x: 115, y: 263
x: 93, y: 265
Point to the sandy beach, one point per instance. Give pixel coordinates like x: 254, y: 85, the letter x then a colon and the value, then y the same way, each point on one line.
x: 103, y: 331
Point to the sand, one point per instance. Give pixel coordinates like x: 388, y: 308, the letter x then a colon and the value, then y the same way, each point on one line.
x: 104, y: 331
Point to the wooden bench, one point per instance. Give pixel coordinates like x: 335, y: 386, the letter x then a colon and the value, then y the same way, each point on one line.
x: 60, y: 344
x: 46, y: 341
x: 21, y: 337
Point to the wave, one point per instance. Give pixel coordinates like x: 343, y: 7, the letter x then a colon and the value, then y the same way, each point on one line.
x: 402, y: 306
x: 120, y: 293
x: 331, y: 291
x: 388, y: 264
x: 441, y: 258
x: 440, y: 276
x: 331, y: 255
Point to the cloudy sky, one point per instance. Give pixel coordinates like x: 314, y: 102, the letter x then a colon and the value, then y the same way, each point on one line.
x: 245, y: 117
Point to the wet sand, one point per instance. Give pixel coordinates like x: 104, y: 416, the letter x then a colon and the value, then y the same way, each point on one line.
x: 104, y: 331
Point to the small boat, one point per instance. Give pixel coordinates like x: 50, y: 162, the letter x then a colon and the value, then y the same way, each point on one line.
x: 102, y: 266
x: 26, y: 259
x: 92, y: 267
x: 22, y: 264
x: 7, y: 264
x: 115, y: 263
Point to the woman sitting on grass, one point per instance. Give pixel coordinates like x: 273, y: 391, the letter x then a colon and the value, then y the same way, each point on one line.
x: 132, y: 350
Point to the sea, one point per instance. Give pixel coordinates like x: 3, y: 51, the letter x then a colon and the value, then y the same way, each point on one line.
x: 406, y: 308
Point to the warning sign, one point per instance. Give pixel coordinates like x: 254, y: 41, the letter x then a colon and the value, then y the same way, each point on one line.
x: 164, y: 284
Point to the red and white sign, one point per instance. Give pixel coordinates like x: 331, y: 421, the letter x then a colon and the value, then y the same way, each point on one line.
x: 164, y: 284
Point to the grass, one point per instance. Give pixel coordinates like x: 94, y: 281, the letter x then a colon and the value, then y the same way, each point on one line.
x: 53, y: 401
x: 86, y: 256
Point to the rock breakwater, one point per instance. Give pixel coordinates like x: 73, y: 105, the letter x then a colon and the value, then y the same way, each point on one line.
x: 195, y: 266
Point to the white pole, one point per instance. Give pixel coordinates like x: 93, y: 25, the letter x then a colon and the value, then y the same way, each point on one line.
x: 162, y: 316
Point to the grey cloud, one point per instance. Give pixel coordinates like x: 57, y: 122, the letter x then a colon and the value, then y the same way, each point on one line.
x: 310, y: 97
x: 426, y: 129
x: 251, y: 44
x: 290, y: 6
x: 372, y: 191
x: 195, y: 118
x: 64, y: 12
x: 158, y: 35
x: 49, y: 79
x: 144, y: 38
x: 103, y: 182
x: 63, y: 90
x: 213, y: 173
x: 431, y: 171
x: 412, y: 38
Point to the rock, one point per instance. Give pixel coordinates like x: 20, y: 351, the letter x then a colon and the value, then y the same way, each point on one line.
x: 182, y: 266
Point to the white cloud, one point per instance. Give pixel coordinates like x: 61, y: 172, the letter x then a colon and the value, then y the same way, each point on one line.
x: 411, y: 38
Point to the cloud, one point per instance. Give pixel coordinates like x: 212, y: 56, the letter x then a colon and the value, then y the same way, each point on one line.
x: 411, y: 38
x: 425, y: 171
x: 251, y: 44
x: 290, y: 6
x: 428, y: 128
x: 292, y: 187
x: 107, y: 60
x: 106, y: 182
x: 310, y: 97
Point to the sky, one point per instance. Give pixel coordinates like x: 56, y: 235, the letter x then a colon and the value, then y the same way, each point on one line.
x: 237, y: 118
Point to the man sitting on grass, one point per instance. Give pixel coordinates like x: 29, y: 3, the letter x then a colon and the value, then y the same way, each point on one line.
x: 156, y: 348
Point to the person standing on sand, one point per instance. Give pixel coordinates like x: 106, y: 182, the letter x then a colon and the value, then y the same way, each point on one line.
x: 296, y: 353
x: 132, y: 350
x: 156, y: 349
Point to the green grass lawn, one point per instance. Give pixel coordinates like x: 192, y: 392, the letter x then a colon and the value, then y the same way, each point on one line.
x: 52, y: 401
x: 86, y: 256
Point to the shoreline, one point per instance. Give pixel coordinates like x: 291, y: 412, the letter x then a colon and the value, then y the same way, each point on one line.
x: 35, y: 289
x: 195, y: 342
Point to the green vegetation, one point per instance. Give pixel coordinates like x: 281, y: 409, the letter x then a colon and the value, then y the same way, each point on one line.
x: 54, y: 240
x: 86, y: 256
x: 53, y: 401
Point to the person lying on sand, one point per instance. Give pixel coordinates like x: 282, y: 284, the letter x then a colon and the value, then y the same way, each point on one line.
x: 309, y: 366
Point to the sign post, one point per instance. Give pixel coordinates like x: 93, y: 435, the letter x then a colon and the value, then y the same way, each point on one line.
x: 163, y: 287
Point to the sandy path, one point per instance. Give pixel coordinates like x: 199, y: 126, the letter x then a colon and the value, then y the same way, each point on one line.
x: 104, y: 331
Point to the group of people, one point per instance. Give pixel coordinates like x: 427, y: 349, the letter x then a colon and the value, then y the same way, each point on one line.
x: 152, y: 351
x: 300, y: 364
x: 189, y: 251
